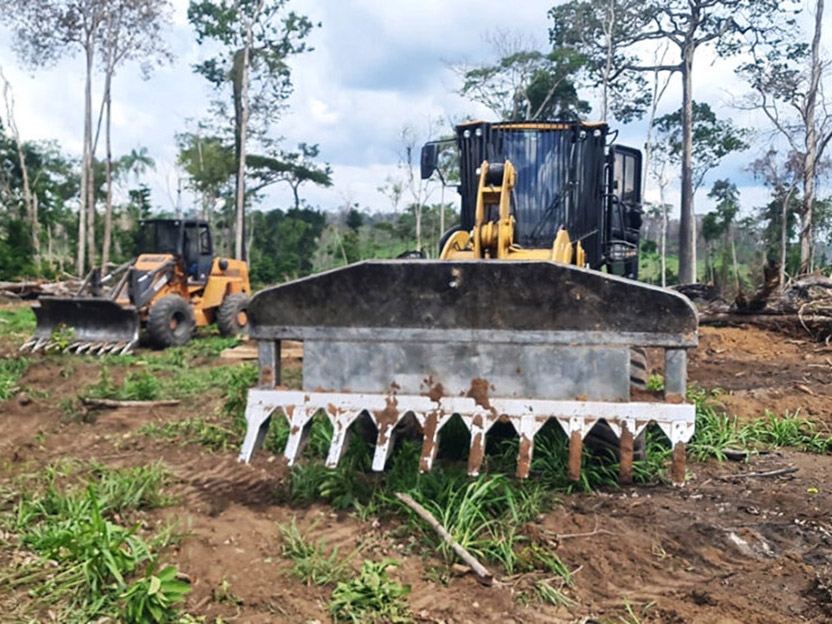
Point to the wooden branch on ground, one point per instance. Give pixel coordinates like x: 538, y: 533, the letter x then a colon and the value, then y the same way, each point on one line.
x: 763, y: 320
x: 483, y: 575
x: 748, y: 475
x: 115, y: 404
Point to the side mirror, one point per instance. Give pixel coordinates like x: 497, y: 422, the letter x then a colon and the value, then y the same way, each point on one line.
x: 430, y: 158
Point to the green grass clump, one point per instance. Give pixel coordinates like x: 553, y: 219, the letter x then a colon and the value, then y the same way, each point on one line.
x: 11, y: 370
x: 787, y: 431
x: 156, y: 383
x: 82, y: 562
x: 17, y: 322
x: 371, y: 598
x: 717, y: 432
x: 312, y: 564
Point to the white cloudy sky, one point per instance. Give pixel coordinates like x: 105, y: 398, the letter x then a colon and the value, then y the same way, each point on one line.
x: 378, y: 65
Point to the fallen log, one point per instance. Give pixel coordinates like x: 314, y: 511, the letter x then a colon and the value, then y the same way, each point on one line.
x: 732, y: 319
x: 483, y: 574
x: 109, y: 403
x: 749, y: 475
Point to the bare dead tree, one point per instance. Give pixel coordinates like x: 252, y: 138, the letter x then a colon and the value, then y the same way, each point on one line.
x: 30, y: 199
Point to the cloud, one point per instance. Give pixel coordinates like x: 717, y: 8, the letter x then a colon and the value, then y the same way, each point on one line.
x: 378, y: 66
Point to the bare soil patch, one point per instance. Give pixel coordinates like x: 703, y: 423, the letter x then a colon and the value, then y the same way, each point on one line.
x: 723, y: 549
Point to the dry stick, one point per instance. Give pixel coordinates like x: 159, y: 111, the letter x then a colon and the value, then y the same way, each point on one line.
x: 595, y: 531
x: 111, y: 403
x: 483, y: 575
x: 770, y: 473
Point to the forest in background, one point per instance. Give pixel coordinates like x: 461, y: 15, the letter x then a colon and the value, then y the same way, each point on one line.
x: 61, y: 215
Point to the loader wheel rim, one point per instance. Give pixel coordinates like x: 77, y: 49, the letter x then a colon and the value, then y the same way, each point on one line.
x: 176, y: 319
x: 242, y: 318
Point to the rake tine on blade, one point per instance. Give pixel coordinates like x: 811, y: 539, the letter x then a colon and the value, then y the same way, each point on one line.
x: 430, y: 441
x: 384, y: 445
x: 299, y: 427
x: 27, y: 345
x: 40, y: 344
x: 475, y: 455
x: 626, y: 448
x: 340, y: 440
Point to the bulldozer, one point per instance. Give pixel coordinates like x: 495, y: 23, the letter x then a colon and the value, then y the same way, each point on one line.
x: 531, y: 314
x: 175, y: 284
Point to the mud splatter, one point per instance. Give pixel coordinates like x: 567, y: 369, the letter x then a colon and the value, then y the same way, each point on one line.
x: 479, y: 392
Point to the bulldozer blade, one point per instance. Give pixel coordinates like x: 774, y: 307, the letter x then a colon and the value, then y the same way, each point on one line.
x: 83, y: 325
x: 515, y: 342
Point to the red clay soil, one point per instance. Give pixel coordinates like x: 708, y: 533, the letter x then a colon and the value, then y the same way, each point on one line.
x: 726, y: 548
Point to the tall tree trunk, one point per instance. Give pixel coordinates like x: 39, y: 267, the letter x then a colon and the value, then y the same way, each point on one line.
x: 242, y: 115
x: 784, y: 221
x: 419, y: 227
x: 29, y: 199
x: 239, y: 223
x: 687, y: 221
x: 609, y: 26
x: 810, y: 163
x: 108, y: 211
x: 89, y: 159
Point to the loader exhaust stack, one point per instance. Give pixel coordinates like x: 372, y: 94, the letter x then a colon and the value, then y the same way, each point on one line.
x: 498, y: 341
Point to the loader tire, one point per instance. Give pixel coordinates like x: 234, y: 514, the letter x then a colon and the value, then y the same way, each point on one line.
x: 638, y: 368
x: 232, y: 317
x: 171, y: 322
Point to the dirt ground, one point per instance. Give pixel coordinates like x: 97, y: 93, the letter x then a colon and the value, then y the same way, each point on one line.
x: 723, y: 549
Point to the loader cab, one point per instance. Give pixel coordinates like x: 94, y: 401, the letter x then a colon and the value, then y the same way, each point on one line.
x: 187, y: 239
x: 567, y: 177
x: 624, y: 208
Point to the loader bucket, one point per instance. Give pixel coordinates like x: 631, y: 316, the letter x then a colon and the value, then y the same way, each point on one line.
x: 514, y: 342
x: 84, y: 325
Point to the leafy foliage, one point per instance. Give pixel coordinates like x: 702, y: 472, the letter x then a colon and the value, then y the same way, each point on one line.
x: 526, y: 84
x: 83, y: 559
x: 713, y: 139
x: 371, y: 597
x: 11, y: 370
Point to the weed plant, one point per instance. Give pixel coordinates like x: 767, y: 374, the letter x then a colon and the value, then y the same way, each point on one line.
x: 717, y: 432
x: 312, y: 564
x: 82, y: 563
x: 185, y: 382
x: 17, y: 323
x: 11, y: 371
x: 371, y: 598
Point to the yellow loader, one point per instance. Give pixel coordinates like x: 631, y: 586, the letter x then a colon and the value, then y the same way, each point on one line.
x: 531, y: 314
x: 176, y: 283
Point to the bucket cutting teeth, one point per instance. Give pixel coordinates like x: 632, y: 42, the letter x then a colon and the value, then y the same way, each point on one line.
x: 516, y: 342
x: 528, y: 417
x: 90, y: 325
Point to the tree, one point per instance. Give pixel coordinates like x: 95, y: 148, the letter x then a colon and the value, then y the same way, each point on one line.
x: 689, y: 26
x: 601, y: 32
x: 209, y: 162
x: 44, y: 32
x: 787, y: 81
x: 257, y: 37
x: 711, y: 140
x: 52, y: 183
x: 131, y: 31
x: 783, y: 178
x: 293, y: 168
x: 718, y: 223
x: 30, y: 200
x: 524, y: 84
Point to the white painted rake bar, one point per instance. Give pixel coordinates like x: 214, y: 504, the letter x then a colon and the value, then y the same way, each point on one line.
x: 626, y: 419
